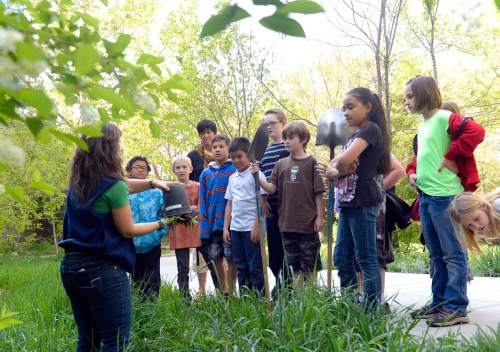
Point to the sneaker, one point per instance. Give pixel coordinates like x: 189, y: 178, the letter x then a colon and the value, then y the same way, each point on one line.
x: 447, y: 318
x: 426, y: 312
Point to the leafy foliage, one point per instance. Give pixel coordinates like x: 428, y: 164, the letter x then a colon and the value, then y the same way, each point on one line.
x: 279, y: 21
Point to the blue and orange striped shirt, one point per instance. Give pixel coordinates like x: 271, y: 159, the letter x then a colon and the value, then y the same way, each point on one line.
x: 213, y: 183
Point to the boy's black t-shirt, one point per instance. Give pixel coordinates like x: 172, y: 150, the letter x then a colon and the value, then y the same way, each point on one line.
x: 360, y: 189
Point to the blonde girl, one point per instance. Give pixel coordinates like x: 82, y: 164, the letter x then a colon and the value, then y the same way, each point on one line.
x: 476, y: 215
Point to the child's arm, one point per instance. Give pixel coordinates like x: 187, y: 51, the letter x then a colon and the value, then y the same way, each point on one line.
x: 203, y: 208
x: 411, y: 171
x: 227, y: 221
x: 395, y: 173
x: 463, y: 146
x: 345, y: 162
x: 320, y: 212
x: 267, y: 186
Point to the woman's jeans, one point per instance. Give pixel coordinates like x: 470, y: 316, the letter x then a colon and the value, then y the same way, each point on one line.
x: 449, y: 282
x: 356, y: 238
x: 100, y: 297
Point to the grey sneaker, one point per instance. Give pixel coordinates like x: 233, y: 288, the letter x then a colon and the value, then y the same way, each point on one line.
x: 426, y: 312
x: 447, y: 317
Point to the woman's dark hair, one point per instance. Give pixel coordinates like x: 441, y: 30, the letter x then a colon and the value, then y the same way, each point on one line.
x: 137, y: 158
x: 239, y: 143
x: 102, y: 161
x: 206, y: 125
x: 377, y: 116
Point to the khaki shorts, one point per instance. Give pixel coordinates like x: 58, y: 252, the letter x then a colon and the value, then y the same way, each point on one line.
x: 198, y: 264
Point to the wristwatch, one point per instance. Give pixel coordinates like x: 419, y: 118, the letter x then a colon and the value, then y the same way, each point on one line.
x: 162, y: 223
x: 151, y: 185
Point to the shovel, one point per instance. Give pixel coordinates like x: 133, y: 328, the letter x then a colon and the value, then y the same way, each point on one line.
x: 257, y: 149
x: 332, y: 131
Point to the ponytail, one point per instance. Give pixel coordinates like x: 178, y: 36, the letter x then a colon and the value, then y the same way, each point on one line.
x: 377, y: 116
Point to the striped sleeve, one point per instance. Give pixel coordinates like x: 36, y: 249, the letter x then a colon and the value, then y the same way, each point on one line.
x: 273, y: 153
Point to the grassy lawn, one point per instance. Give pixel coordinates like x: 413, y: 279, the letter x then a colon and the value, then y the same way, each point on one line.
x: 414, y: 259
x: 312, y: 320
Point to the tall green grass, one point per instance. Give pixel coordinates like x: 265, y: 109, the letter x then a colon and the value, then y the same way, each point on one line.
x: 312, y: 319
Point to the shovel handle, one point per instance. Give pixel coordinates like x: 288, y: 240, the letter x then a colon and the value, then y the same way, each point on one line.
x: 262, y: 235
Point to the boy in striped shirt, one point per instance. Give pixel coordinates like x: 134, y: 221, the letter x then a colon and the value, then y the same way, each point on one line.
x: 213, y: 183
x: 275, y: 119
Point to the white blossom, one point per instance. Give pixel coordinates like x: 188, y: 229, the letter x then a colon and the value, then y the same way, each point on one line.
x: 145, y: 101
x: 33, y: 68
x: 9, y: 38
x: 89, y: 114
x: 10, y: 153
x: 8, y: 70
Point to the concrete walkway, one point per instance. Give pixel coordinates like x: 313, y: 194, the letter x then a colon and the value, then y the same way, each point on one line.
x: 404, y: 290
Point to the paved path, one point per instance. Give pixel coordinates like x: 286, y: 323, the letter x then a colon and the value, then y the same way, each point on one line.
x: 405, y: 290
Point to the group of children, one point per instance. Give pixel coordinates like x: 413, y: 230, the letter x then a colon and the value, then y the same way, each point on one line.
x: 292, y: 188
x: 228, y: 227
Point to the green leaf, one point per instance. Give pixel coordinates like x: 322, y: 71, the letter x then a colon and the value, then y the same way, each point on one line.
x: 117, y: 48
x: 111, y: 97
x: 17, y: 192
x: 156, y: 69
x: 267, y: 2
x: 35, y: 98
x: 147, y: 59
x: 497, y: 2
x: 91, y: 21
x: 35, y: 125
x: 172, y: 116
x: 44, y: 187
x: 69, y: 139
x: 177, y: 82
x: 154, y: 128
x: 86, y: 58
x: 37, y: 176
x: 300, y: 6
x: 6, y: 319
x: 89, y: 130
x: 104, y: 115
x: 283, y: 24
x: 223, y: 19
x: 29, y: 52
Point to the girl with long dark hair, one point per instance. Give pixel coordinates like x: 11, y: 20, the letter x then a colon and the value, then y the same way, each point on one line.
x: 365, y: 156
x: 97, y: 239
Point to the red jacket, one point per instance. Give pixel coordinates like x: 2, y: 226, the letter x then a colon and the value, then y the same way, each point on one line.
x: 461, y: 150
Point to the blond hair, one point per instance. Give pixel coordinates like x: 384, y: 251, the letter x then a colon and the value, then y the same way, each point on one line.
x: 468, y: 202
x: 181, y: 158
x: 280, y: 114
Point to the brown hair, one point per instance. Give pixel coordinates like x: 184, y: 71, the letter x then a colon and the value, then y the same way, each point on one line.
x: 280, y: 114
x: 102, y: 161
x: 299, y: 129
x: 451, y: 106
x: 426, y: 92
x: 221, y: 137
